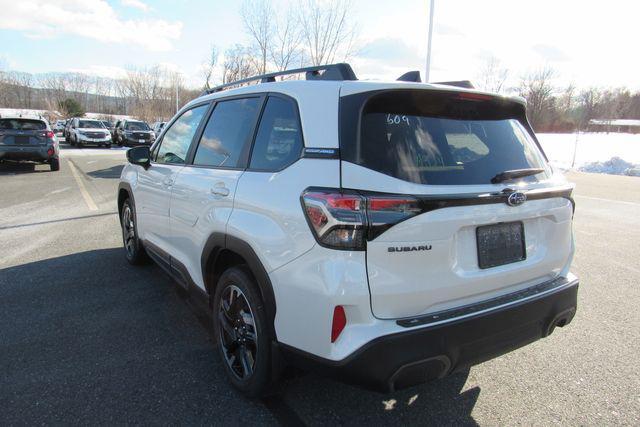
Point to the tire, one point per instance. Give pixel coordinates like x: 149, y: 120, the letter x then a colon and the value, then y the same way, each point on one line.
x: 246, y: 360
x: 134, y: 252
x: 108, y: 146
x: 54, y: 164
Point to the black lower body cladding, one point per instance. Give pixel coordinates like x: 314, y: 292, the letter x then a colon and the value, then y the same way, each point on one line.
x: 418, y: 355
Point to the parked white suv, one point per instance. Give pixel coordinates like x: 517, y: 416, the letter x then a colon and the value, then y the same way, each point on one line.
x: 84, y: 132
x: 385, y: 233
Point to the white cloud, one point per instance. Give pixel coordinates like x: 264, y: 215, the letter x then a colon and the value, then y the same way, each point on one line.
x: 94, y: 19
x: 137, y: 4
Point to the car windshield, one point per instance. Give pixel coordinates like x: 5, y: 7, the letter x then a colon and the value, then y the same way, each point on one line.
x: 22, y: 124
x: 89, y: 124
x: 106, y: 124
x: 136, y: 126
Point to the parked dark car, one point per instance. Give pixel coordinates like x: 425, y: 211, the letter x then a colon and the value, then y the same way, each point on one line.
x: 134, y: 132
x: 25, y: 139
x: 59, y: 126
x: 114, y: 134
x: 157, y: 128
x: 67, y: 128
x: 108, y: 125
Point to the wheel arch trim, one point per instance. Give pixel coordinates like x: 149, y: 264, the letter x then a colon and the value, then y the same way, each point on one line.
x: 219, y: 242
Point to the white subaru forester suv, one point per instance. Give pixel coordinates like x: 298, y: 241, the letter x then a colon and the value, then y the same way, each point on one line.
x: 384, y: 233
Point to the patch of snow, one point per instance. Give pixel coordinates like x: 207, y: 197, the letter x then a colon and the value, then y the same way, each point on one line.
x: 613, y: 166
x: 617, y: 153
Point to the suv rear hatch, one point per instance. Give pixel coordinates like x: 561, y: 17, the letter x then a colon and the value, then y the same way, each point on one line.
x: 443, y: 174
x: 21, y: 131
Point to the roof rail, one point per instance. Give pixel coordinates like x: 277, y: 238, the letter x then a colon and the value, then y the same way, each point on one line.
x: 340, y: 71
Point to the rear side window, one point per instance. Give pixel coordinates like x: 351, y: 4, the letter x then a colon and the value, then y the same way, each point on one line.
x: 176, y: 141
x: 22, y: 124
x: 442, y: 138
x: 279, y: 139
x: 225, y: 139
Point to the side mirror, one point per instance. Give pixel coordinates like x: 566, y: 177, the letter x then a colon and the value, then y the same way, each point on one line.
x: 139, y: 156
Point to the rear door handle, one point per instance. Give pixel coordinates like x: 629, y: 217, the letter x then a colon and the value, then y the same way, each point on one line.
x: 220, y: 190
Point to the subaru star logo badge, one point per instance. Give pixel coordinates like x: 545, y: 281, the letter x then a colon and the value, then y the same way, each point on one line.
x: 516, y: 198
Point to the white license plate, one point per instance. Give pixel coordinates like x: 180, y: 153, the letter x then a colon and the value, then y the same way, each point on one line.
x: 141, y: 140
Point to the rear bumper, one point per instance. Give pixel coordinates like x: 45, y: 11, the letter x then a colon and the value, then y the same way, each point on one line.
x: 408, y: 358
x: 39, y: 153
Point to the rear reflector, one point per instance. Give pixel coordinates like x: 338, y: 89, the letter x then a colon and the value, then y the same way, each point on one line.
x: 339, y: 322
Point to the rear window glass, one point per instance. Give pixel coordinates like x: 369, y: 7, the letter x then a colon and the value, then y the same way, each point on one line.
x: 445, y: 141
x: 136, y: 126
x: 22, y: 124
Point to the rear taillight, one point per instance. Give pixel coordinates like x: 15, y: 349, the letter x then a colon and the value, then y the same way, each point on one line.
x: 49, y: 134
x: 338, y: 323
x: 347, y: 219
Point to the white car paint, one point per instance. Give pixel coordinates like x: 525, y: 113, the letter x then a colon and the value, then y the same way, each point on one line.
x: 264, y: 210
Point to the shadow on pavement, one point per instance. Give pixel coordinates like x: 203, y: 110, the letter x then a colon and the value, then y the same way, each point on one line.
x: 325, y: 402
x: 9, y: 167
x: 108, y: 173
x: 86, y: 338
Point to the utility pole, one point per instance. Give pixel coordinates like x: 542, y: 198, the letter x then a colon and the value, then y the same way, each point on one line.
x: 177, y: 86
x: 426, y: 74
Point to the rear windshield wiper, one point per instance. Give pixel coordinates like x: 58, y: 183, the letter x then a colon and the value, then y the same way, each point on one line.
x: 515, y: 173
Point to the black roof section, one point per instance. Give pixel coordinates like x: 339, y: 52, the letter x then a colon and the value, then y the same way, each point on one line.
x: 338, y: 72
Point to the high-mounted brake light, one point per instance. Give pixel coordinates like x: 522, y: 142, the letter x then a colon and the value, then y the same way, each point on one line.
x: 347, y: 219
x: 474, y: 96
x: 338, y: 323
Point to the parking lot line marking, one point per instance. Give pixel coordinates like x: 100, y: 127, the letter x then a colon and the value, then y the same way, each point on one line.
x: 83, y: 190
x: 608, y: 200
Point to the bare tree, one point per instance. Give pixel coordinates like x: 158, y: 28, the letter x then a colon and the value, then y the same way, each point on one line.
x: 209, y: 66
x: 286, y: 48
x: 536, y: 87
x: 258, y: 18
x: 493, y: 76
x: 238, y: 64
x: 326, y: 30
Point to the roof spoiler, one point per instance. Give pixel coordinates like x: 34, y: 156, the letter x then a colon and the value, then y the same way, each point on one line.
x: 410, y: 76
x: 466, y: 84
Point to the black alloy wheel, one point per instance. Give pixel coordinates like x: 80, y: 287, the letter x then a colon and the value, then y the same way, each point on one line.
x: 243, y: 334
x: 238, y: 334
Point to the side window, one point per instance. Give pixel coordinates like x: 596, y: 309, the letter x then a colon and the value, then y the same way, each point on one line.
x: 279, y: 139
x: 227, y: 133
x: 176, y: 141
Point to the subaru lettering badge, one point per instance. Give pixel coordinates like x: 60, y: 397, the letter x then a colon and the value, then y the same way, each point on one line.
x: 516, y: 198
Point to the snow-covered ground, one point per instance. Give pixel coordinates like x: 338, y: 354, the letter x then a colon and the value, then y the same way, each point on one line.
x: 595, y: 152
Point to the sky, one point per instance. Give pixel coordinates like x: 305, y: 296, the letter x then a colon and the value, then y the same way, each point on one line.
x: 587, y: 42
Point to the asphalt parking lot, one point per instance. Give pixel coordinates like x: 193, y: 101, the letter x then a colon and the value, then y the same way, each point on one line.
x: 87, y: 339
